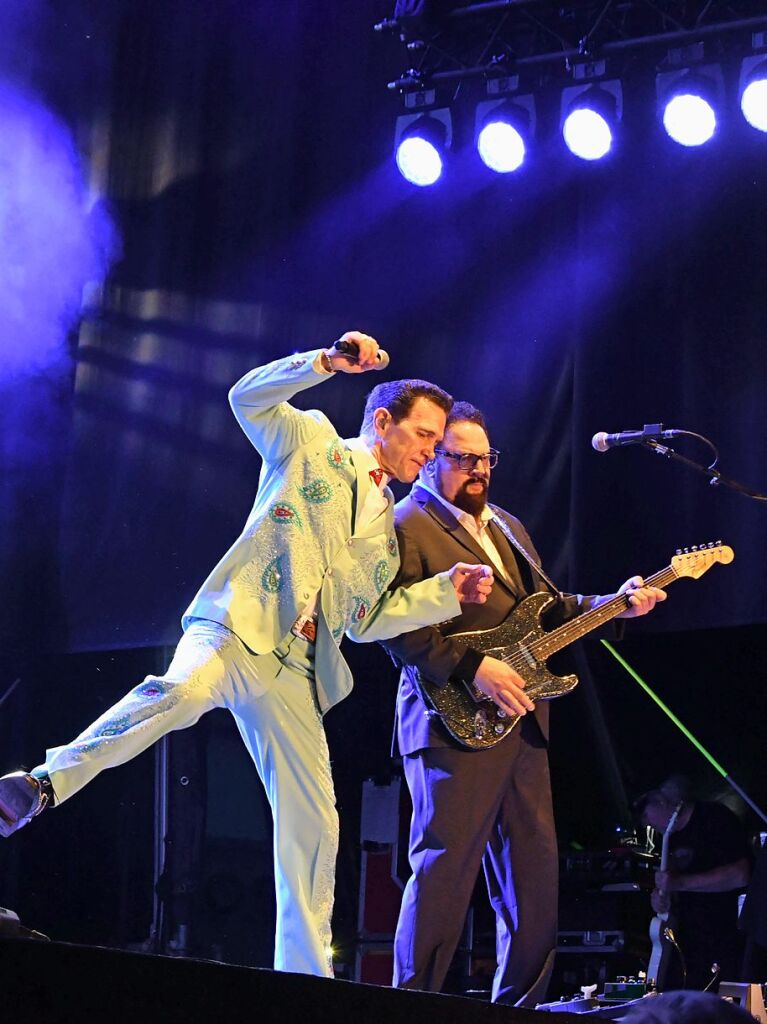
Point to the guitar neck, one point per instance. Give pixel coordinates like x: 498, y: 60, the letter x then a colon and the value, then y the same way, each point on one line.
x: 664, y: 852
x: 571, y: 631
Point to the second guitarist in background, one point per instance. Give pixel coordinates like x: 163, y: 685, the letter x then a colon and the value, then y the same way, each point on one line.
x: 472, y: 807
x: 709, y: 865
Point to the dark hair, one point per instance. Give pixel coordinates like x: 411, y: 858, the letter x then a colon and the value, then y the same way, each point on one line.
x: 655, y: 798
x: 398, y: 396
x: 465, y: 412
x: 685, y: 1008
x: 676, y: 789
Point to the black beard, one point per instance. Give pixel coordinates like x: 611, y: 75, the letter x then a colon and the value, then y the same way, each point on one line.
x: 471, y: 503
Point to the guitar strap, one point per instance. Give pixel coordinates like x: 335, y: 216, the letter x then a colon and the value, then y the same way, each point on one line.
x: 505, y: 529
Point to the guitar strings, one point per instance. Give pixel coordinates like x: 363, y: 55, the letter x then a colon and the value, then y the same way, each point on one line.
x: 571, y: 631
x: 548, y: 644
x: 583, y: 623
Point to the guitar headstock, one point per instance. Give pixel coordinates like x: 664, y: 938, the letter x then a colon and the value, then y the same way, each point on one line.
x: 696, y: 560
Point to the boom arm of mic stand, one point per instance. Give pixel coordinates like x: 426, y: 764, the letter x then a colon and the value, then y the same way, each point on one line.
x: 715, y: 476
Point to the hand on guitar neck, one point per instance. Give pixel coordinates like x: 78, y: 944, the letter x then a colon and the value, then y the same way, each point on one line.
x: 506, y: 688
x: 640, y: 598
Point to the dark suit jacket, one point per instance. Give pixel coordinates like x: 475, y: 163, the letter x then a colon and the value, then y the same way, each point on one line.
x: 432, y: 540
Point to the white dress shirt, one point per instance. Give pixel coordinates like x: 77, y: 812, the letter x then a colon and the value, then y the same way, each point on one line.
x: 375, y: 501
x: 479, y: 531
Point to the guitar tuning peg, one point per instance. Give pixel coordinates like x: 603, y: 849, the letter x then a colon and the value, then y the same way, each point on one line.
x: 719, y: 541
x: 679, y: 551
x: 687, y: 551
x: 710, y: 543
x: 695, y: 547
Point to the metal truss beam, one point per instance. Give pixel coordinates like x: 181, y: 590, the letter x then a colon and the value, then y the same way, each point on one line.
x: 454, y: 42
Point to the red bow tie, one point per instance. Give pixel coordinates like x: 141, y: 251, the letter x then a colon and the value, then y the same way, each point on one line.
x: 376, y: 475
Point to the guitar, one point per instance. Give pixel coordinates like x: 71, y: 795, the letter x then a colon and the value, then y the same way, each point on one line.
x: 661, y: 924
x: 473, y: 719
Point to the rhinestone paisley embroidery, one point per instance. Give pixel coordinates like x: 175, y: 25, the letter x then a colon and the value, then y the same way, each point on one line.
x: 381, y: 575
x: 138, y: 706
x: 317, y: 492
x: 273, y: 576
x: 147, y: 704
x: 284, y: 513
x: 296, y: 539
x: 337, y: 455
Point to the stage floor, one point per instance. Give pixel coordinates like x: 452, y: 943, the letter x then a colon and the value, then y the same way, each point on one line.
x: 58, y: 983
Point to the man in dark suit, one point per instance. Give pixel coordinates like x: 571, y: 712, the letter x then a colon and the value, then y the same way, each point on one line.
x: 490, y: 806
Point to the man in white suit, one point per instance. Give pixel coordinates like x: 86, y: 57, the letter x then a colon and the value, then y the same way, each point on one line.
x: 261, y: 637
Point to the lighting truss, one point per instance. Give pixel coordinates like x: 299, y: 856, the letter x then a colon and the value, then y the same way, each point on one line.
x: 454, y: 41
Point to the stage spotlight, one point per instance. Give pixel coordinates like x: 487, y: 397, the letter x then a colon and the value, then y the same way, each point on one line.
x: 688, y: 101
x: 689, y: 118
x: 503, y: 130
x: 590, y: 116
x: 419, y: 160
x: 421, y: 143
x: 753, y: 92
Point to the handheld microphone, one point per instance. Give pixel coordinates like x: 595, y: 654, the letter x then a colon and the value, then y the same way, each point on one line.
x: 352, y: 350
x: 602, y: 441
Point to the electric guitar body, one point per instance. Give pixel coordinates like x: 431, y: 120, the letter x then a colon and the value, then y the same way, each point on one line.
x: 662, y: 924
x: 469, y: 716
x: 477, y: 722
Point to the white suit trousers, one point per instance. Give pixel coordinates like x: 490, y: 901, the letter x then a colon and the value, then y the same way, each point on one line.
x: 272, y: 698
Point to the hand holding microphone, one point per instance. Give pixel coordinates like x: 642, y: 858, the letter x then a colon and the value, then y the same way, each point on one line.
x: 355, y: 352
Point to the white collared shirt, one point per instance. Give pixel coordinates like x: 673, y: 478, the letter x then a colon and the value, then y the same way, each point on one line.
x: 479, y: 531
x: 375, y: 501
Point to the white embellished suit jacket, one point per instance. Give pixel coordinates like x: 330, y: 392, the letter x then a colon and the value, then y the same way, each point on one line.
x: 300, y: 539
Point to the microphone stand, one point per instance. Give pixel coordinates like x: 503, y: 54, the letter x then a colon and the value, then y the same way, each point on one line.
x: 716, y: 478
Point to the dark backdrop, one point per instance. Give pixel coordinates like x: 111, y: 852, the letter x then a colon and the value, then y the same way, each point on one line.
x: 247, y: 154
x: 245, y: 149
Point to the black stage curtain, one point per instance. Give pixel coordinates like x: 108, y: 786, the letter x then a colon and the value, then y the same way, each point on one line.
x: 245, y: 150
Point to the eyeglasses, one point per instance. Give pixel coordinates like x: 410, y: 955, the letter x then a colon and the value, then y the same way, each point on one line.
x: 467, y: 461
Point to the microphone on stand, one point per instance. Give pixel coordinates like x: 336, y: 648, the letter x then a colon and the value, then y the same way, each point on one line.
x: 602, y: 441
x: 352, y: 350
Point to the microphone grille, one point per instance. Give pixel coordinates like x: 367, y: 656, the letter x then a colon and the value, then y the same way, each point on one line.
x: 599, y: 441
x: 382, y: 358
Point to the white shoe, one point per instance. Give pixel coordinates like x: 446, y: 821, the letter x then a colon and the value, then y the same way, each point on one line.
x: 22, y: 797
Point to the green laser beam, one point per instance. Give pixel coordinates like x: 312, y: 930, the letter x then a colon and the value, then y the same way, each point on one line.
x: 666, y: 710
